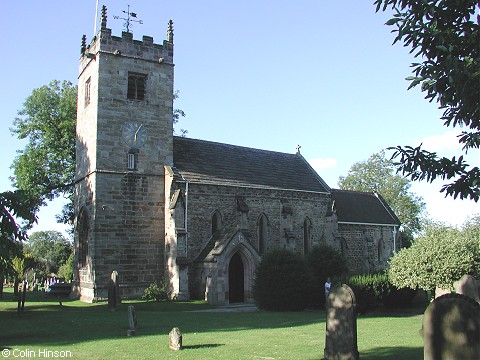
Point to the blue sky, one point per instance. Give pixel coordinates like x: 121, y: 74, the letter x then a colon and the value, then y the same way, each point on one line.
x: 264, y: 74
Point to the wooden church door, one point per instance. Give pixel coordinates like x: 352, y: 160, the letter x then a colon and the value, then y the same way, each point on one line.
x: 236, y: 281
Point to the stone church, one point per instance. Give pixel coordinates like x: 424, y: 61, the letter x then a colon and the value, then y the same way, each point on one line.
x: 197, y: 214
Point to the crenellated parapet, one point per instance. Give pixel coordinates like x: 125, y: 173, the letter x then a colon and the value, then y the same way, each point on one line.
x: 105, y: 43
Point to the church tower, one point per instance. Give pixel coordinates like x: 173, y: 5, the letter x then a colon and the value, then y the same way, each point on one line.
x: 124, y: 140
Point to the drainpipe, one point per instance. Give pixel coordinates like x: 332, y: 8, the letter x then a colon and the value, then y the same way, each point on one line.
x: 394, y: 232
x: 186, y: 218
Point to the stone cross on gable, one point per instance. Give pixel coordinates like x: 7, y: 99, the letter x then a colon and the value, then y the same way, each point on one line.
x: 298, y: 149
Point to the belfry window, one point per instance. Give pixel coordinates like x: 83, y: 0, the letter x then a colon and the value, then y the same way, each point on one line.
x: 380, y: 249
x: 132, y: 159
x: 136, y: 86
x: 87, y: 91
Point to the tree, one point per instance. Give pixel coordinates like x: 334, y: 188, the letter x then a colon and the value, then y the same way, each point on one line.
x: 445, y: 35
x: 46, y: 167
x: 438, y: 258
x: 14, y: 206
x: 50, y: 249
x: 377, y: 174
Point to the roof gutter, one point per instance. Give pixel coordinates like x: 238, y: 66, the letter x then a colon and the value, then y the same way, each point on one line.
x: 252, y: 186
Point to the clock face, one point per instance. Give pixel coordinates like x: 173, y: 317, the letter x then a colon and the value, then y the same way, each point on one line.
x: 134, y: 134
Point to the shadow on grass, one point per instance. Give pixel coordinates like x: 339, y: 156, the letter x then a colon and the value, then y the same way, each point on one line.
x: 203, y: 346
x: 46, y: 322
x: 396, y: 353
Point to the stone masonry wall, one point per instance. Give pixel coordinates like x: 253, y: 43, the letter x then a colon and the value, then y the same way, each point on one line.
x: 127, y: 206
x: 362, y: 246
x: 204, y: 200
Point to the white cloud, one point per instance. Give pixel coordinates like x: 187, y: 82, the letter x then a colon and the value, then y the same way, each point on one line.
x: 447, y: 141
x: 321, y: 164
x: 445, y: 209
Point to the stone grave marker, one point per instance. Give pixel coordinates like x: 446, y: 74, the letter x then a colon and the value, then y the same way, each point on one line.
x: 113, y: 291
x: 451, y: 328
x: 175, y: 339
x: 132, y: 321
x: 341, y: 334
x: 468, y: 286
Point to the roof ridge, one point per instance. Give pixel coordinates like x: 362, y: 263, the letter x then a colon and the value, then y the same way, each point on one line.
x: 181, y: 138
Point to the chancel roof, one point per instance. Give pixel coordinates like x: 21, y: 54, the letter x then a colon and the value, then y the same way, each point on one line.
x: 217, y: 163
x: 362, y: 207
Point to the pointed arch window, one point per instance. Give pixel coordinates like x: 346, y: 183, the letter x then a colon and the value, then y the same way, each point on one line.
x: 82, y: 228
x: 262, y: 233
x: 216, y: 221
x: 307, y: 230
x: 380, y: 250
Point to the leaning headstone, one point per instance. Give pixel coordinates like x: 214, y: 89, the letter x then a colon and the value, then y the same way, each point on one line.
x: 113, y: 291
x: 116, y: 281
x: 341, y: 334
x: 451, y: 328
x: 175, y: 339
x: 468, y: 286
x: 132, y: 321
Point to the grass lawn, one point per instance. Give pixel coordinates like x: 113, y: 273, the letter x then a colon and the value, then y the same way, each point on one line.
x: 90, y: 331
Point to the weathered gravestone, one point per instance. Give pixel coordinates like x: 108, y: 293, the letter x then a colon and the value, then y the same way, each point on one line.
x: 132, y: 321
x: 341, y: 334
x: 175, y: 339
x: 451, y: 328
x: 468, y: 286
x: 113, y: 291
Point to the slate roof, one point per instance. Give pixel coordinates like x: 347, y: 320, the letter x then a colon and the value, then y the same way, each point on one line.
x: 362, y: 207
x: 217, y: 163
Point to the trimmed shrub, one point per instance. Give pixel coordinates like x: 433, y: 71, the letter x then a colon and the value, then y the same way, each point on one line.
x: 282, y: 281
x: 155, y: 292
x: 324, y: 261
x: 369, y: 289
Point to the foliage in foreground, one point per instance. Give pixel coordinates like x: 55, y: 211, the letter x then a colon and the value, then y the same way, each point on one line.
x: 282, y: 281
x: 444, y: 35
x: 438, y: 258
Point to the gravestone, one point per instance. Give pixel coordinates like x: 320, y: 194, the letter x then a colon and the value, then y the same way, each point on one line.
x: 451, y: 328
x: 132, y: 321
x: 113, y: 291
x: 175, y: 339
x: 341, y: 334
x: 468, y: 286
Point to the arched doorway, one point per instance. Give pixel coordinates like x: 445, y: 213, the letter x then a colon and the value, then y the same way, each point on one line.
x: 236, y: 287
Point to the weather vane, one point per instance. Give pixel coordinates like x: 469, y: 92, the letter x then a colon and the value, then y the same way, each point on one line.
x: 128, y: 20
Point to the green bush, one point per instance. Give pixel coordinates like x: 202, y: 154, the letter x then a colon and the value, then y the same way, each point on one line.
x: 323, y: 261
x: 155, y: 292
x: 282, y: 281
x: 369, y: 290
x: 438, y: 258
